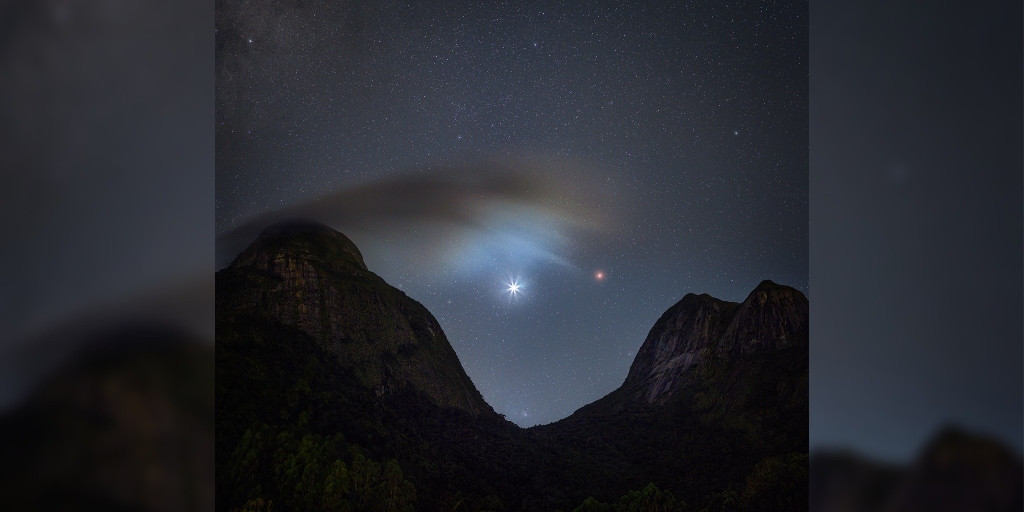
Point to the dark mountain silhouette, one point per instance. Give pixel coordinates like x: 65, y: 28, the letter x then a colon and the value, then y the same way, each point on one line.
x: 701, y: 327
x: 321, y: 364
x: 310, y: 277
x: 699, y: 415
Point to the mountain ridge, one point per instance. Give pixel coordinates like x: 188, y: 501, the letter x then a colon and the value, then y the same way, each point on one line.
x: 310, y: 342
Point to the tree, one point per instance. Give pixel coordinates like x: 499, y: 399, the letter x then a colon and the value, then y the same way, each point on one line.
x: 651, y: 499
x: 255, y: 505
x: 725, y: 501
x: 399, y: 494
x: 337, y: 488
x: 777, y: 483
x: 592, y: 505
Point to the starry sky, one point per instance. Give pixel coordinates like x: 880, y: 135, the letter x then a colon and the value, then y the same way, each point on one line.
x: 606, y: 158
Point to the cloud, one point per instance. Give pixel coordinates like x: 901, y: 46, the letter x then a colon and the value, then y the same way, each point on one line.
x: 460, y: 216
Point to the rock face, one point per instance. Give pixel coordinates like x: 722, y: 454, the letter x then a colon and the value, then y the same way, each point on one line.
x: 679, y: 341
x: 772, y: 317
x: 701, y: 327
x: 308, y: 276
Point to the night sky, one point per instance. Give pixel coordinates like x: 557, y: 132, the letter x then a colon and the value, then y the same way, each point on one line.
x: 465, y: 148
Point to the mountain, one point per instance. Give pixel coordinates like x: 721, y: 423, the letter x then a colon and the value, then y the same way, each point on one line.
x: 701, y: 328
x: 325, y: 372
x: 310, y: 277
x: 717, y: 392
x: 957, y: 470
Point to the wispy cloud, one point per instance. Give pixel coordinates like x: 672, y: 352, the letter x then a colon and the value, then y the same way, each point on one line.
x: 461, y: 216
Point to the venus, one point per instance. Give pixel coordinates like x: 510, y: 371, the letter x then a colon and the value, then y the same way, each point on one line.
x: 513, y: 287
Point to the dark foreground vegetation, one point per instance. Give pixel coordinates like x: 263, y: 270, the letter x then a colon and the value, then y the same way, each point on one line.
x: 302, y: 434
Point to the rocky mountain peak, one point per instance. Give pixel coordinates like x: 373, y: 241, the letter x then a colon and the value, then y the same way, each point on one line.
x: 699, y: 327
x: 678, y: 342
x: 308, y: 276
x: 306, y: 239
x: 773, y: 316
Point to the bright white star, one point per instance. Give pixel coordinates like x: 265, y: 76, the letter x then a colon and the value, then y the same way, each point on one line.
x: 513, y: 287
